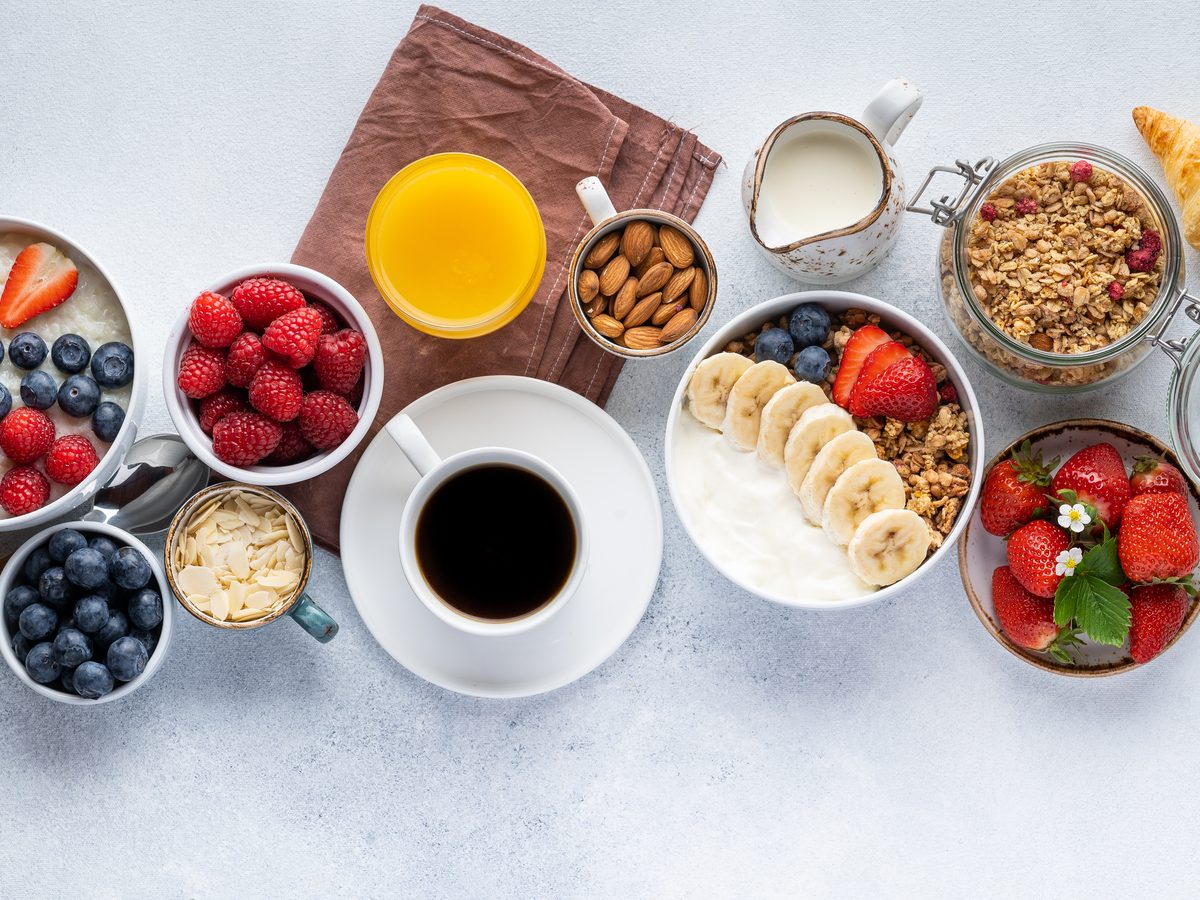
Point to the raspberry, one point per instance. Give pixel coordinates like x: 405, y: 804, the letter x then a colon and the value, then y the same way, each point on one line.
x: 263, y: 300
x: 1140, y: 260
x: 326, y: 419
x: 22, y: 490
x: 245, y: 438
x: 1116, y: 290
x: 329, y: 321
x: 215, y: 406
x: 947, y: 392
x: 1081, y: 170
x: 292, y: 446
x: 293, y: 336
x: 987, y: 212
x: 276, y: 391
x: 1026, y: 206
x: 71, y: 459
x: 214, y: 321
x: 246, y: 354
x: 201, y: 371
x: 1151, y: 241
x: 339, y: 360
x: 25, y: 434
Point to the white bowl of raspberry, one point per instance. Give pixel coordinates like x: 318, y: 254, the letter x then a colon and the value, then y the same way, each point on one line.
x: 273, y: 375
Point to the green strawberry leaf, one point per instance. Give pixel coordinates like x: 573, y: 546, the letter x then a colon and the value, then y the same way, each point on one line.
x: 1059, y: 649
x: 1071, y: 594
x: 1103, y: 612
x: 1184, y: 582
x: 1102, y: 562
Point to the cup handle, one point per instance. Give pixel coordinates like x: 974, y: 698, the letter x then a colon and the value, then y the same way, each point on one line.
x: 892, y: 109
x: 412, y: 443
x: 313, y: 619
x: 595, y: 200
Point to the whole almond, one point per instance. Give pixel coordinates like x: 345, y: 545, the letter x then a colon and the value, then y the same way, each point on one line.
x: 653, y: 258
x: 654, y: 279
x: 698, y: 290
x: 613, y: 275
x: 608, y: 326
x: 677, y: 247
x: 663, y: 314
x: 597, y: 306
x: 679, y: 283
x: 589, y: 285
x: 679, y: 325
x: 642, y: 312
x: 626, y: 299
x: 644, y: 338
x: 636, y: 241
x: 602, y: 250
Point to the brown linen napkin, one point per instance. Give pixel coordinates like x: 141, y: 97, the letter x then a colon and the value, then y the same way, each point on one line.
x: 451, y: 85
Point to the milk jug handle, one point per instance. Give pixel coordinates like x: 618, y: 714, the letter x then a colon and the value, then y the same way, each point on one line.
x: 595, y: 200
x: 892, y: 109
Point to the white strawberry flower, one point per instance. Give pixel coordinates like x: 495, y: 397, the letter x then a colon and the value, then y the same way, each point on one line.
x: 1067, y: 561
x: 1074, y: 517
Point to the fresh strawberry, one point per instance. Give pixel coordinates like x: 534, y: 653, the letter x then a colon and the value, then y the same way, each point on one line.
x: 327, y: 419
x: 854, y: 356
x: 1033, y: 553
x: 22, y: 490
x: 246, y: 354
x: 947, y: 392
x: 293, y: 336
x: 276, y: 391
x: 1157, y: 539
x: 216, y: 406
x: 25, y: 434
x: 1156, y: 613
x: 905, y: 390
x: 1096, y: 474
x: 292, y: 446
x: 1027, y: 619
x: 263, y: 300
x: 245, y: 438
x: 339, y: 360
x: 71, y: 459
x: 201, y: 371
x: 1015, y: 491
x: 329, y: 321
x: 40, y: 279
x: 1154, y: 475
x: 214, y: 321
x: 874, y: 365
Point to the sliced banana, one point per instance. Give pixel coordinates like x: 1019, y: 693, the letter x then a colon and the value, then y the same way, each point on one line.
x: 839, y: 454
x: 750, y: 394
x: 708, y: 390
x: 780, y: 414
x: 864, y: 488
x: 815, y: 428
x: 889, y: 545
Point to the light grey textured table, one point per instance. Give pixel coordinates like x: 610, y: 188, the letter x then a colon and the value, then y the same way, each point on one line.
x: 730, y: 747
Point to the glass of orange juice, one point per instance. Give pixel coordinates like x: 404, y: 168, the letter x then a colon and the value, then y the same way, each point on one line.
x: 455, y: 245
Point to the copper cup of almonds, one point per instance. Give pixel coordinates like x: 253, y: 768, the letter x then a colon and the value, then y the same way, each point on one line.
x: 643, y: 282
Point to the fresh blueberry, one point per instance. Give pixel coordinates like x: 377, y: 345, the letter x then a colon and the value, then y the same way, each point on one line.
x: 1, y: 351
x: 72, y: 647
x: 147, y: 636
x: 54, y: 588
x: 129, y: 569
x: 38, y: 389
x: 107, y: 421
x: 774, y: 344
x: 36, y: 563
x: 27, y: 350
x: 813, y: 364
x: 63, y: 543
x: 127, y: 658
x: 809, y: 324
x: 79, y: 396
x: 145, y: 609
x: 92, y: 680
x: 116, y: 627
x: 105, y: 546
x: 91, y: 614
x: 86, y: 568
x: 41, y: 664
x: 5, y: 401
x: 37, y: 621
x: 21, y: 645
x: 70, y: 353
x: 112, y: 365
x: 15, y: 602
x: 67, y: 677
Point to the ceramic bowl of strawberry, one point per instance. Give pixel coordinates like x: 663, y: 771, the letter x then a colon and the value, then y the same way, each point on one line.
x: 1076, y: 521
x: 71, y: 389
x: 273, y: 374
x: 790, y: 450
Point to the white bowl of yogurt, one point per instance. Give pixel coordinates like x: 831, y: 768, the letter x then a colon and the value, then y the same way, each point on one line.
x: 742, y: 515
x: 96, y: 312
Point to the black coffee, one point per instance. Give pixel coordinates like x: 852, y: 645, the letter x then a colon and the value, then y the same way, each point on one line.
x: 496, y: 542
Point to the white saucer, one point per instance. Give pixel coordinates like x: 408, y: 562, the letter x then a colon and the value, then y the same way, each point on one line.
x: 620, y: 504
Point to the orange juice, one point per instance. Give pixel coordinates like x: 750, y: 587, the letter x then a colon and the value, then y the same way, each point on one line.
x: 455, y: 245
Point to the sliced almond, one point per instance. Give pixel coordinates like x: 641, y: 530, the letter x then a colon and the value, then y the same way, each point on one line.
x: 602, y: 250
x: 636, y: 241
x: 679, y: 283
x: 626, y: 299
x: 677, y: 247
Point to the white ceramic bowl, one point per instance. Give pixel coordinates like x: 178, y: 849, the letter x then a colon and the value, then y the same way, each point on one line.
x: 112, y: 459
x: 835, y: 301
x: 318, y: 287
x: 12, y: 570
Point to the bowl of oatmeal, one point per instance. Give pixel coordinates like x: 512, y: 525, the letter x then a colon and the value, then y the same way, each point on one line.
x: 816, y: 491
x: 72, y: 387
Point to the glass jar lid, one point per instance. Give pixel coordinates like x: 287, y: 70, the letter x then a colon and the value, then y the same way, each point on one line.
x: 1183, y: 397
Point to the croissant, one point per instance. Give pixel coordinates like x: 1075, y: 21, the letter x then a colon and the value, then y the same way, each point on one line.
x: 1176, y: 143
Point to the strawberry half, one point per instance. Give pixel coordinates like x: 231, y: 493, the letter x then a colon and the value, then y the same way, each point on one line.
x: 1097, y: 476
x: 854, y: 357
x: 879, y: 360
x: 40, y: 279
x: 905, y: 390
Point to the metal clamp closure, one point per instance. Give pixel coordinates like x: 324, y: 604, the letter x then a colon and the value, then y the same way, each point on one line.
x: 945, y: 210
x: 1175, y: 347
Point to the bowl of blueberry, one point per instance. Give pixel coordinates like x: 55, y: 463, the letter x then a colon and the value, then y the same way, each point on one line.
x: 83, y: 614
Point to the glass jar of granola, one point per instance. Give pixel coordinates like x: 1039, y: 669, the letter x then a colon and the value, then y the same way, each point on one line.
x: 1060, y: 267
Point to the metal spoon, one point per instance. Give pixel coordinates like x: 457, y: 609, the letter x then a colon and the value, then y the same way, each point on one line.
x: 158, y: 475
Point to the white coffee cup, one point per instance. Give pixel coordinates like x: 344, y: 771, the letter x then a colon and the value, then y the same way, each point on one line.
x: 436, y: 471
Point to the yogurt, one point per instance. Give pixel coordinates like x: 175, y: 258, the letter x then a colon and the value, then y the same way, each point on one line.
x: 746, y: 519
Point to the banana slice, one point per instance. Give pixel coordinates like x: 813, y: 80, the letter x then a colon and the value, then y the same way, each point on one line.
x: 888, y: 545
x: 750, y: 394
x: 864, y: 488
x: 815, y: 428
x: 711, y: 383
x: 834, y: 458
x: 780, y: 414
